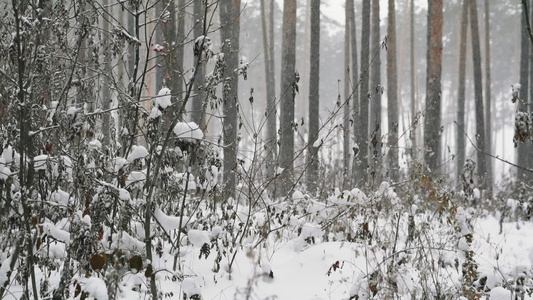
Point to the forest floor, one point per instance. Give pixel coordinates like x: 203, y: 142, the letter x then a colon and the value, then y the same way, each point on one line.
x: 337, y: 249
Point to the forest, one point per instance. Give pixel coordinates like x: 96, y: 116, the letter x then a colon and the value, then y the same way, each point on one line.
x: 266, y: 149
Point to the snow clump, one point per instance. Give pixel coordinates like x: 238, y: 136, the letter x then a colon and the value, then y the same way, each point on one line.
x: 188, y: 131
x: 137, y: 152
x: 163, y: 99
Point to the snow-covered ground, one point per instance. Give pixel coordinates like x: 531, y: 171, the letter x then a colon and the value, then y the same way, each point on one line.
x: 349, y: 246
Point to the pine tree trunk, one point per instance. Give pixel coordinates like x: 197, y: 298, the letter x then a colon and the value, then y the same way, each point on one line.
x: 229, y: 31
x: 433, y: 86
x: 314, y: 81
x: 361, y: 131
x: 347, y: 92
x: 375, y: 92
x: 529, y: 146
x: 197, y: 114
x: 105, y: 87
x: 288, y: 90
x: 522, y: 151
x: 171, y: 33
x: 180, y: 37
x: 414, y: 130
x: 488, y: 100
x: 267, y: 20
x: 392, y: 95
x: 461, y: 91
x: 482, y: 170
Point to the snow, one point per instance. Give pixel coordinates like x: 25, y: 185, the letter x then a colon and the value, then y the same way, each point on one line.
x: 137, y: 152
x: 7, y: 155
x: 198, y: 237
x: 95, y: 145
x: 279, y: 170
x: 294, y: 267
x: 56, y: 233
x: 136, y: 177
x: 169, y: 223
x: 188, y: 131
x: 72, y: 111
x: 93, y: 286
x: 297, y: 196
x: 5, y: 172
x: 119, y: 163
x: 499, y: 293
x: 39, y: 162
x: 155, y: 113
x: 359, y: 195
x: 318, y: 143
x: 4, y: 268
x: 124, y: 195
x: 191, y: 286
x: 163, y: 99
x: 211, y: 178
x: 124, y: 241
x: 60, y: 197
x: 158, y: 48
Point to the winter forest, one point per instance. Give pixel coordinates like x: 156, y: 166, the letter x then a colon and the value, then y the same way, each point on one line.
x: 266, y: 149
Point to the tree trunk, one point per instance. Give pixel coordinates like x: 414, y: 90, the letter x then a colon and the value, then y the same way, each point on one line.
x: 229, y: 31
x: 178, y: 71
x: 171, y: 64
x: 433, y: 86
x: 482, y: 169
x: 347, y: 93
x: 105, y: 87
x: 375, y: 91
x: 488, y: 100
x: 289, y: 81
x: 288, y: 91
x: 522, y: 153
x: 267, y: 18
x: 197, y: 114
x: 413, y: 133
x: 392, y: 95
x: 461, y: 91
x: 529, y: 146
x: 314, y: 80
x: 361, y: 159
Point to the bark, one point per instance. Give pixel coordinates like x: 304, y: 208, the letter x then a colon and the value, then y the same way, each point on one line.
x: 392, y: 95
x: 375, y: 90
x: 347, y: 92
x: 413, y: 133
x: 267, y: 18
x: 288, y: 90
x: 482, y: 169
x: 159, y: 39
x: 461, y: 91
x: 529, y: 149
x: 353, y: 51
x: 26, y: 148
x: 522, y: 153
x: 180, y: 37
x: 229, y: 31
x: 170, y: 30
x: 197, y: 114
x: 106, y: 91
x: 361, y: 159
x: 314, y: 81
x: 433, y: 86
x: 488, y: 96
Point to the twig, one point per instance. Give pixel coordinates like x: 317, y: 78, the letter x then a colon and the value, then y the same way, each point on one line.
x: 491, y: 155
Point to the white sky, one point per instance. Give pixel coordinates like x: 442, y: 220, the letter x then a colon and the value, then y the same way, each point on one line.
x: 335, y: 8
